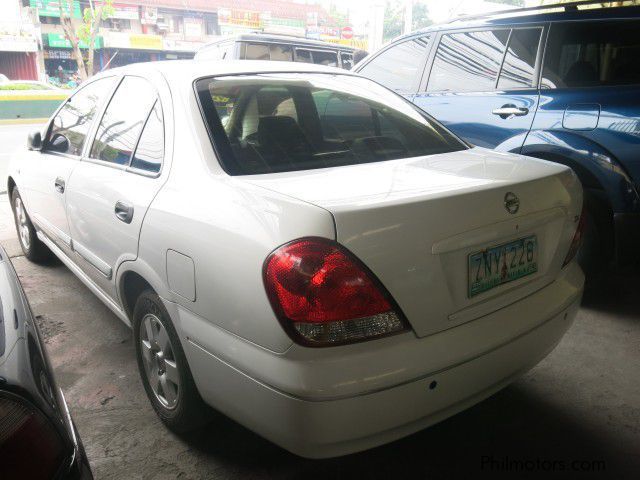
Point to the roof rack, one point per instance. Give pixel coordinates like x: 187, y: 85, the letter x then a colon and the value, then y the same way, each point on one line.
x: 568, y: 7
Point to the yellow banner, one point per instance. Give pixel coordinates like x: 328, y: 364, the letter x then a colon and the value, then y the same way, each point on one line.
x: 145, y: 42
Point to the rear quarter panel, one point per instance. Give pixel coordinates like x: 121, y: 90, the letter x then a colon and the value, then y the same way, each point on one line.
x: 228, y: 228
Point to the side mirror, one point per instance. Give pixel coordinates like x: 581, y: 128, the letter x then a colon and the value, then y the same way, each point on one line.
x: 34, y: 141
x: 59, y: 143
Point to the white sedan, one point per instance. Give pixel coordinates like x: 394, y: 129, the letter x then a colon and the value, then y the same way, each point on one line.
x: 300, y: 248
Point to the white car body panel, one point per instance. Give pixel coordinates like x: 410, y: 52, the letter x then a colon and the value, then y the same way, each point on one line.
x: 413, y: 222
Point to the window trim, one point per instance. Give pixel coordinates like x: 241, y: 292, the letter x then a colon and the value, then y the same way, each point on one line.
x: 417, y: 81
x: 127, y: 168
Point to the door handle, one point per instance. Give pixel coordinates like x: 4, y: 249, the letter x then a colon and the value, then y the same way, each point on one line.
x: 124, y: 212
x: 59, y: 184
x: 509, y: 111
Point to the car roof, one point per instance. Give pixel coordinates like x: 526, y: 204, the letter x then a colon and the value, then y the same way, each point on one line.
x: 276, y: 38
x: 193, y: 69
x: 544, y: 14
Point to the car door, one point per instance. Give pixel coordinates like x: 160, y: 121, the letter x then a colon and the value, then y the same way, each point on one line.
x: 112, y: 187
x: 482, y: 84
x: 46, y: 173
x: 399, y: 66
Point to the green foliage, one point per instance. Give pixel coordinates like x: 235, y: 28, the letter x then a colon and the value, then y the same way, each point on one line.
x: 90, y: 23
x: 394, y: 18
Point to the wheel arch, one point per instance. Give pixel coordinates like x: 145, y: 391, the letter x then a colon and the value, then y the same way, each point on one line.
x: 133, y: 278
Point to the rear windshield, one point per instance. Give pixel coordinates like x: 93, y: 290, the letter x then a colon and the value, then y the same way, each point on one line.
x: 285, y: 122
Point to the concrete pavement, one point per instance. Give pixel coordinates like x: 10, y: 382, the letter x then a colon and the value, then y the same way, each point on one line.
x: 576, y: 415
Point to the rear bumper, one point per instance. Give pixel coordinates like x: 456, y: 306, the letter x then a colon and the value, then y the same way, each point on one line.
x: 627, y: 237
x: 311, y: 424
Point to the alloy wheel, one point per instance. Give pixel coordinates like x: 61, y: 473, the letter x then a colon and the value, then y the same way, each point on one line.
x: 23, y: 223
x: 159, y: 361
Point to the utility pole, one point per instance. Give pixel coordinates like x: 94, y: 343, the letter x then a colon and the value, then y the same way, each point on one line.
x: 376, y: 25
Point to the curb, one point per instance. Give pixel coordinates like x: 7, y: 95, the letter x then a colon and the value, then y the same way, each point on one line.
x: 22, y: 121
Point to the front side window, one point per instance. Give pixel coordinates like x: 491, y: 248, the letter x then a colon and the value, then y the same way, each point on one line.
x: 123, y: 120
x: 284, y: 122
x: 468, y: 61
x: 399, y: 66
x: 589, y: 54
x: 71, y: 125
x: 520, y: 60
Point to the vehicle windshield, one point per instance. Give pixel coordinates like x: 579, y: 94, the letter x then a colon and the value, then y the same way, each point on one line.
x: 292, y: 121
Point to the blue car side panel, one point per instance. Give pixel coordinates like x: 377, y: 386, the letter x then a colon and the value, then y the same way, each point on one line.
x: 610, y: 151
x: 470, y: 116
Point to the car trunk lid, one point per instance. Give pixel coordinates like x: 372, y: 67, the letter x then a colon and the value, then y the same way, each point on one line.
x: 414, y: 223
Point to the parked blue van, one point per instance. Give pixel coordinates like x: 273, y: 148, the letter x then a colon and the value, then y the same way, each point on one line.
x: 559, y: 82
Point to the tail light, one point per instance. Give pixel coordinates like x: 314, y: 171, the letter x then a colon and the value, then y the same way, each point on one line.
x: 324, y: 296
x: 577, y: 239
x: 29, y: 445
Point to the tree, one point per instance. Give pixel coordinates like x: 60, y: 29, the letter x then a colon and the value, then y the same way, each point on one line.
x: 394, y: 18
x: 92, y: 17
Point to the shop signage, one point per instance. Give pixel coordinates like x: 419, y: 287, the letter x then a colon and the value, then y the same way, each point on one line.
x: 57, y: 54
x: 181, y: 45
x: 241, y: 18
x: 51, y: 8
x: 132, y: 41
x: 57, y: 40
x: 145, y: 42
x: 193, y: 27
x: 15, y: 43
x: 125, y: 12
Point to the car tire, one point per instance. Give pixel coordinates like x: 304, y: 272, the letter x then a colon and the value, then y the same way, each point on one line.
x: 164, y: 369
x: 595, y: 251
x: 32, y: 247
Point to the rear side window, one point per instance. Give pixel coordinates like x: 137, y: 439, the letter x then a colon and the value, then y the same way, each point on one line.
x: 468, y: 61
x: 123, y: 120
x: 303, y: 56
x: 72, y: 123
x: 520, y: 60
x: 281, y: 53
x: 398, y: 67
x: 285, y: 122
x: 150, y: 150
x: 329, y: 59
x: 256, y: 51
x: 589, y: 54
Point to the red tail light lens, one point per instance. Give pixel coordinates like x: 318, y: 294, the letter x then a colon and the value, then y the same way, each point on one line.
x: 577, y: 239
x: 325, y: 296
x: 29, y: 445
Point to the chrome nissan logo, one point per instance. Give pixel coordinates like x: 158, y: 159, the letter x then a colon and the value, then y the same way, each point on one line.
x: 511, y: 202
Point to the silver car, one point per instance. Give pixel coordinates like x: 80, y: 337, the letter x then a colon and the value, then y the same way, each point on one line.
x: 301, y: 248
